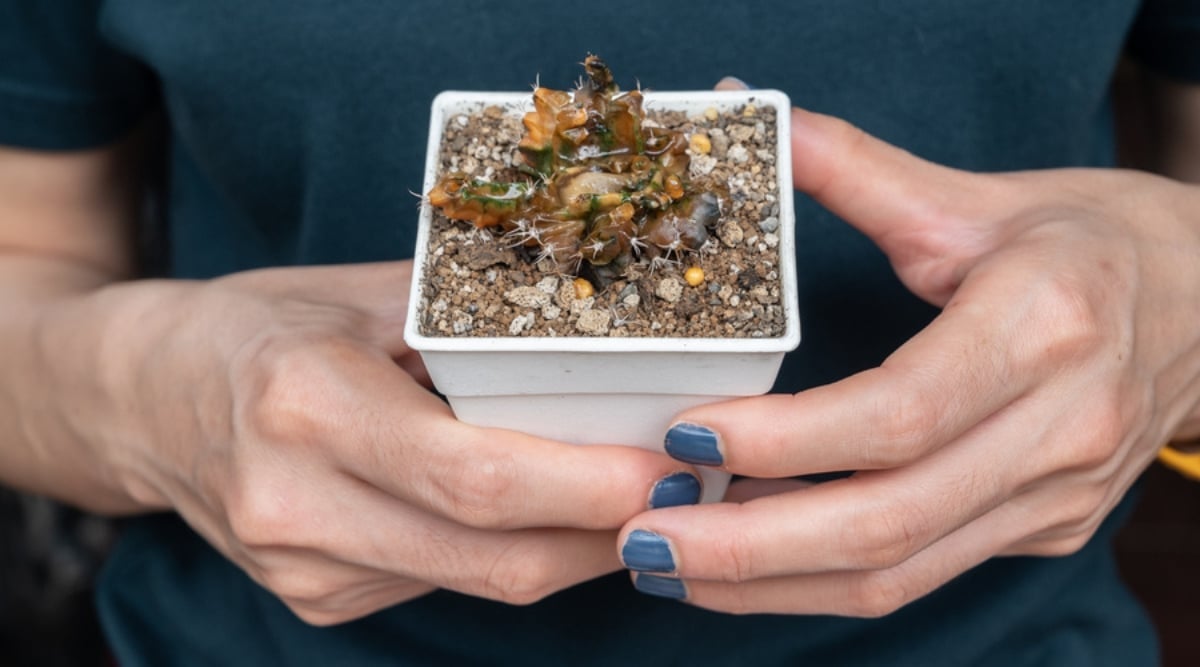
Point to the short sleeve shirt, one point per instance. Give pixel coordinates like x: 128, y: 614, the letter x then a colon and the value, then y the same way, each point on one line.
x: 295, y: 135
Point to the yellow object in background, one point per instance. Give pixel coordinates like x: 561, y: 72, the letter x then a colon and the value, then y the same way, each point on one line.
x: 1186, y: 463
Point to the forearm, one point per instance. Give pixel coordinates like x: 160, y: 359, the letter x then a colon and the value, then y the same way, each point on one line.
x: 59, y: 315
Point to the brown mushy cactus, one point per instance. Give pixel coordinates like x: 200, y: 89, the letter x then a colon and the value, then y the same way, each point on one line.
x: 600, y: 189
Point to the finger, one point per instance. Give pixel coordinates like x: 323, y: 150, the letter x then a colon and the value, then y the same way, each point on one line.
x: 1053, y: 465
x: 322, y: 589
x: 1064, y: 512
x: 499, y: 479
x: 360, y: 603
x: 342, y: 538
x: 731, y: 83
x: 878, y: 187
x: 857, y: 593
x: 1041, y: 513
x: 930, y: 220
x: 956, y: 373
x: 363, y: 416
x: 516, y: 566
x: 872, y: 520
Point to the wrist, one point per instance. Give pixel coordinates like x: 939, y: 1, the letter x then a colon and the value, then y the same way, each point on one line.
x: 89, y: 433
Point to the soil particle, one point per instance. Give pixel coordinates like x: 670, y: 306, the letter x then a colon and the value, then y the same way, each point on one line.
x: 669, y: 290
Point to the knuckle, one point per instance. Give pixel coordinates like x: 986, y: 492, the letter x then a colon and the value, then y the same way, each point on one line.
x: 479, y: 494
x: 1061, y: 546
x: 1071, y: 325
x: 852, y: 137
x: 1097, y: 434
x: 1080, y: 511
x: 732, y: 599
x: 261, y: 515
x: 909, y: 420
x: 740, y: 602
x: 878, y: 594
x: 282, y: 409
x: 884, y: 539
x: 315, y: 616
x: 300, y: 587
x: 736, y: 554
x: 520, y: 577
x: 292, y: 387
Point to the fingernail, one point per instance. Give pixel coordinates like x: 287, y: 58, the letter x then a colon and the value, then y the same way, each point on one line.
x: 692, y: 443
x: 663, y: 587
x: 737, y: 82
x: 681, y: 488
x: 645, y: 551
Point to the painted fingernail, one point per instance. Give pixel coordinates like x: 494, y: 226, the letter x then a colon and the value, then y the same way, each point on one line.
x: 663, y: 587
x: 681, y: 488
x: 693, y: 443
x: 645, y: 551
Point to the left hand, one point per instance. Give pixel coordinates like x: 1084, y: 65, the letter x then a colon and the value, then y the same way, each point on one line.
x: 1067, y: 353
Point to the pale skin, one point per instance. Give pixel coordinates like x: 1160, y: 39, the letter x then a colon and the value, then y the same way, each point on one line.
x: 281, y: 415
x: 279, y: 412
x: 1067, y: 353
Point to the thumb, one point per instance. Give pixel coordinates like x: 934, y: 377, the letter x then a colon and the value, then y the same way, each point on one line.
x: 929, y: 219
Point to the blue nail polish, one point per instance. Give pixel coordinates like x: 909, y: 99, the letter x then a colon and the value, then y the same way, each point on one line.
x: 681, y: 488
x: 663, y: 587
x: 645, y: 551
x: 694, y: 444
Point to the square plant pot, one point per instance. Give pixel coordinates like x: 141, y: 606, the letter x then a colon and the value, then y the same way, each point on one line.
x: 604, y: 390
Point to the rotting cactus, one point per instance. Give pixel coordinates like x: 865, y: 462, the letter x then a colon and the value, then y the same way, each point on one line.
x: 601, y: 188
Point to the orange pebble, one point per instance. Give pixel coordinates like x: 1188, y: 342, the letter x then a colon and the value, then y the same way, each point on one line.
x: 583, y: 288
x: 694, y: 276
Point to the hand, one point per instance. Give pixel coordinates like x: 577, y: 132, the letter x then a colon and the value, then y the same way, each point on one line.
x: 281, y: 414
x: 1068, y: 351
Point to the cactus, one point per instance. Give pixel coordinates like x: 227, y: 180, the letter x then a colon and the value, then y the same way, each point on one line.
x: 601, y: 189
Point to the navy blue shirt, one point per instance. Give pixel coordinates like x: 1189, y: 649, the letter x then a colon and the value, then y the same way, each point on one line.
x: 297, y: 132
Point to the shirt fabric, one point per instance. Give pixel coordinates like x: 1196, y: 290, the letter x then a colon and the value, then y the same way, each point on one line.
x: 297, y: 133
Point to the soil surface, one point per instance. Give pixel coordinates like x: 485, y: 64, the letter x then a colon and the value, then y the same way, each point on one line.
x: 476, y: 286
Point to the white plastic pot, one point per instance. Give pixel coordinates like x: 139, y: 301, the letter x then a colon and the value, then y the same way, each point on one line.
x: 592, y: 390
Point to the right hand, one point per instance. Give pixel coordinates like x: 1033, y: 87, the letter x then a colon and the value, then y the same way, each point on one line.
x: 282, y: 415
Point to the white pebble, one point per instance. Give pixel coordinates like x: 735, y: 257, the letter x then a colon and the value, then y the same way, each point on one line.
x: 594, y: 321
x: 702, y: 165
x: 669, y: 290
x: 730, y: 234
x: 527, y: 297
x: 517, y: 325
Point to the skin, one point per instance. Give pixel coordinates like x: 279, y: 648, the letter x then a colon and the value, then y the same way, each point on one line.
x: 281, y: 415
x: 278, y: 411
x: 1067, y: 353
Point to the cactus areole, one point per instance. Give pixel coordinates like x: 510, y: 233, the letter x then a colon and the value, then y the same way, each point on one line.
x: 600, y: 187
